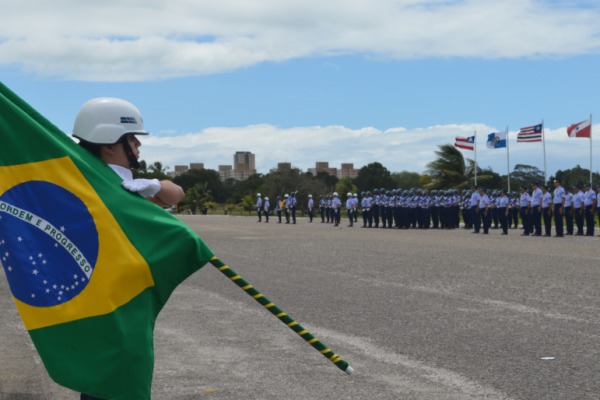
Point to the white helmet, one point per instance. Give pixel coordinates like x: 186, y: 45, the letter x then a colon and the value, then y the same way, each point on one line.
x: 354, y: 195
x: 266, y: 198
x: 286, y: 195
x: 335, y: 194
x: 349, y: 194
x: 257, y: 194
x: 310, y: 196
x: 105, y: 120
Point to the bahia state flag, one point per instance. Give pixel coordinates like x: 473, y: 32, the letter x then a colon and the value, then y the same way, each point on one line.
x: 89, y: 264
x: 496, y: 140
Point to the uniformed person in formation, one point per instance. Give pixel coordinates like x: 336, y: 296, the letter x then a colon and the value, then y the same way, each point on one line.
x: 336, y: 206
x: 484, y: 210
x: 589, y: 200
x: 292, y: 206
x: 514, y: 211
x: 578, y: 209
x: 503, y: 211
x: 259, y: 206
x: 474, y: 204
x: 311, y: 205
x: 547, y: 211
x: 322, y: 208
x: 350, y: 209
x: 286, y: 208
x: 524, y: 210
x: 536, y: 209
x: 266, y: 209
x: 328, y: 209
x: 569, y: 211
x: 558, y: 201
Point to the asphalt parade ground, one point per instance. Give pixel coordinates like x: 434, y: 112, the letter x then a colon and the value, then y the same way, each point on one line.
x: 419, y: 314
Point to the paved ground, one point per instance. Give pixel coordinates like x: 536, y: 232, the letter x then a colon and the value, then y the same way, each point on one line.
x: 418, y: 314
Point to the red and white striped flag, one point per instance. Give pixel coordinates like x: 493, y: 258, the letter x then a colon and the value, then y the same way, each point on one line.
x: 530, y: 134
x: 582, y: 129
x: 467, y: 143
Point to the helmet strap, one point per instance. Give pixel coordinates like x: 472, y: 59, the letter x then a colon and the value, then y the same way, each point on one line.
x: 133, y: 161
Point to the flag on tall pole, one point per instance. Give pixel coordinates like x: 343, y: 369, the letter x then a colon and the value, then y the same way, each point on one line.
x: 496, y: 140
x: 583, y: 129
x: 467, y: 143
x: 530, y: 134
x: 534, y: 133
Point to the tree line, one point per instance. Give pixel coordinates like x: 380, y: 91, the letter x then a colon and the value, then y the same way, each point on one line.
x: 450, y: 170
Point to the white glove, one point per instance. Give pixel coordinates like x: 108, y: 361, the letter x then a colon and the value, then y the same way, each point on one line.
x: 145, y: 187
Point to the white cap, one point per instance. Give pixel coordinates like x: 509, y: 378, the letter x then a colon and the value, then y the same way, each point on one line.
x: 266, y: 198
x: 286, y: 195
x: 258, y: 194
x: 335, y: 194
x: 310, y: 196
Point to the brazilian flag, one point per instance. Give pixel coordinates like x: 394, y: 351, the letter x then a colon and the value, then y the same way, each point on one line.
x: 89, y: 264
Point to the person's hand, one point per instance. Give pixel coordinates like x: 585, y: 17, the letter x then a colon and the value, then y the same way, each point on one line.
x: 145, y: 187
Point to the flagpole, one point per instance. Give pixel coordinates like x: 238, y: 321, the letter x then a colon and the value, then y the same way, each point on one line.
x: 283, y: 317
x: 591, y: 149
x: 507, y: 160
x: 475, y: 147
x: 544, y: 144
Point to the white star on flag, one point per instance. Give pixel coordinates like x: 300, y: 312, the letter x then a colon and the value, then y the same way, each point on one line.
x: 35, y: 271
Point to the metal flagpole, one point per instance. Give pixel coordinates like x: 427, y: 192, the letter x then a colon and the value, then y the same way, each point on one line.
x: 283, y: 317
x: 475, y: 147
x: 507, y: 159
x: 544, y: 144
x: 591, y: 149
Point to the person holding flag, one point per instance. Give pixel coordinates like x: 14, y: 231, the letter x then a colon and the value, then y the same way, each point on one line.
x: 108, y: 128
x: 106, y: 259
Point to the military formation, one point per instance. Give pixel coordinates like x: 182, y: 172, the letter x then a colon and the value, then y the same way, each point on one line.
x: 570, y: 211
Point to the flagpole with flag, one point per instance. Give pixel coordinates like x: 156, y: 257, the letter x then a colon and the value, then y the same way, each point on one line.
x: 582, y: 129
x: 475, y: 142
x: 544, y: 145
x: 591, y: 149
x: 507, y: 160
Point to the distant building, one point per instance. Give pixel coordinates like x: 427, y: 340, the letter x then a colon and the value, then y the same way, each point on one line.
x: 243, y: 165
x: 347, y: 170
x: 323, y: 166
x: 225, y: 172
x: 284, y: 166
x: 197, y: 166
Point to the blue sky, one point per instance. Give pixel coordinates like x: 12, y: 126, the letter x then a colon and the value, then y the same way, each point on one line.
x: 334, y: 81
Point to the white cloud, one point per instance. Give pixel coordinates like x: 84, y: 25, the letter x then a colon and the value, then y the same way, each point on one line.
x: 150, y: 39
x: 398, y: 148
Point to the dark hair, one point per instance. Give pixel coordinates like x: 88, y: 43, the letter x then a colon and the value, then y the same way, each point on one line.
x: 91, y: 147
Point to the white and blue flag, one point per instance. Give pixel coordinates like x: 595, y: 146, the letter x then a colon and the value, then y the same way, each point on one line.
x: 496, y: 140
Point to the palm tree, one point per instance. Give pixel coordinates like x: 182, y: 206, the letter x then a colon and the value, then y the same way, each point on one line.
x: 448, y: 170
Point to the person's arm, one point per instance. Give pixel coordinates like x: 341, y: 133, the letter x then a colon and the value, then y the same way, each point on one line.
x: 168, y: 195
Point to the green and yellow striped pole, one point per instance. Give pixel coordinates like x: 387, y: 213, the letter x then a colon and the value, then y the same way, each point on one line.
x: 283, y: 317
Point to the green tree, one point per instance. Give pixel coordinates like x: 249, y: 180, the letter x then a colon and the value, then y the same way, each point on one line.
x: 197, y: 196
x: 345, y: 185
x: 407, y: 180
x: 448, y: 170
x: 208, y: 177
x: 525, y: 175
x: 372, y: 176
x: 247, y: 203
